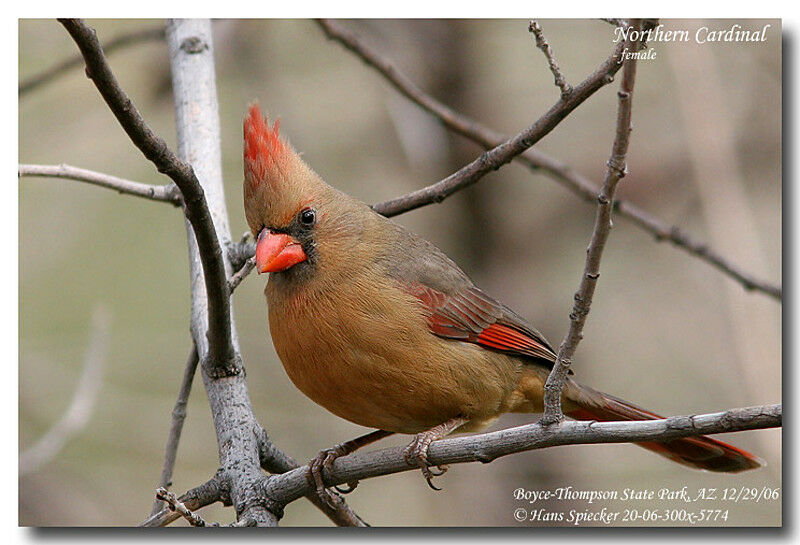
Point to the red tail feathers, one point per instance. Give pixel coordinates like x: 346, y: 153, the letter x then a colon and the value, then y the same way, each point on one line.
x: 698, y: 452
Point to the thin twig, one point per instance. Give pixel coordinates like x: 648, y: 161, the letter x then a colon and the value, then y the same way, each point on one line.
x: 241, y: 274
x: 178, y: 417
x: 541, y: 43
x: 222, y: 358
x: 239, y: 252
x: 616, y: 170
x: 486, y: 447
x: 207, y: 493
x: 175, y: 504
x: 538, y: 161
x: 118, y: 42
x: 166, y: 193
x: 83, y: 400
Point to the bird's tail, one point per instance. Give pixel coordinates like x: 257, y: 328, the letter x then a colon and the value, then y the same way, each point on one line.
x: 698, y: 452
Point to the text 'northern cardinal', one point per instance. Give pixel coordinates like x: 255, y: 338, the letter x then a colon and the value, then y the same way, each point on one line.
x: 381, y: 328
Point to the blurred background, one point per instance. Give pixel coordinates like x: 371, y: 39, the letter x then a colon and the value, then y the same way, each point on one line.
x: 667, y: 331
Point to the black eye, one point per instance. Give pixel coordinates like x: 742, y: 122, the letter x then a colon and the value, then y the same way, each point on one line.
x: 308, y: 216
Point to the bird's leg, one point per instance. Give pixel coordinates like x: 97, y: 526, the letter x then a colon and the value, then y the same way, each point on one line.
x: 416, y: 452
x: 324, y: 461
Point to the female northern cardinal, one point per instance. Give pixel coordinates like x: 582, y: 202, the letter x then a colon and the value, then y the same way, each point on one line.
x: 381, y: 328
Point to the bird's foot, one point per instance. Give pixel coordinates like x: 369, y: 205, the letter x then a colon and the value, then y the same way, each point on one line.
x: 416, y: 453
x: 324, y: 462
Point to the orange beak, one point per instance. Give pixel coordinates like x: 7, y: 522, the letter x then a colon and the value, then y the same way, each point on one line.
x: 276, y: 252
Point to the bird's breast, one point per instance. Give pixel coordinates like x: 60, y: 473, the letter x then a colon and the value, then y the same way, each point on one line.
x: 363, y: 351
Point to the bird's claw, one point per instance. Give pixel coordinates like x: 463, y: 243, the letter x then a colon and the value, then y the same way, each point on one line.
x: 416, y: 454
x: 350, y: 487
x: 324, y: 462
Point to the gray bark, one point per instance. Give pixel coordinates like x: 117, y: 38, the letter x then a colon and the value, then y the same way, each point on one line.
x: 197, y: 119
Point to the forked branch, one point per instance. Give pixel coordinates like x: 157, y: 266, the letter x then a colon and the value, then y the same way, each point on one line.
x: 616, y: 170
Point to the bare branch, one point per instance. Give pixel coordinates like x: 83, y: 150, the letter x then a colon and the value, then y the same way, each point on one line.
x: 162, y: 495
x: 242, y: 273
x: 114, y: 44
x: 276, y: 461
x: 191, y: 53
x: 166, y: 193
x: 490, y: 446
x: 538, y: 161
x: 178, y: 417
x: 508, y: 150
x: 222, y: 357
x: 207, y: 493
x: 541, y: 43
x: 661, y: 231
x: 240, y: 252
x: 616, y: 170
x: 83, y: 400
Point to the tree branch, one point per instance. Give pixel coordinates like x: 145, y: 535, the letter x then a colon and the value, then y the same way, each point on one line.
x: 560, y: 81
x: 222, y: 357
x: 207, y: 493
x: 166, y: 193
x: 178, y: 417
x: 118, y: 42
x: 602, y: 228
x: 276, y: 461
x: 538, y: 161
x: 212, y: 327
x: 508, y: 150
x: 162, y: 495
x: 241, y: 274
x: 191, y: 53
x: 490, y: 446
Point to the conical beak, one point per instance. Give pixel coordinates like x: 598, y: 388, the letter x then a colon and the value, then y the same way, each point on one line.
x: 276, y: 252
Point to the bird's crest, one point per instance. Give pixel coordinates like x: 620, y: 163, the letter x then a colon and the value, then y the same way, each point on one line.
x: 277, y: 182
x: 264, y: 151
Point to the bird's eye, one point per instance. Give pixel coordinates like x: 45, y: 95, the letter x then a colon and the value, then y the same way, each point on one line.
x: 308, y: 216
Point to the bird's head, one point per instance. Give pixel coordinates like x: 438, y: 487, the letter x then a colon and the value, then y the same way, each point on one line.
x: 289, y: 208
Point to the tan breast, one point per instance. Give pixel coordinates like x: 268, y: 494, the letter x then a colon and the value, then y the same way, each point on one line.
x: 371, y: 359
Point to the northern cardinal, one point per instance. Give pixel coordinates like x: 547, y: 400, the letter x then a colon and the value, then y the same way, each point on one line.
x: 381, y: 328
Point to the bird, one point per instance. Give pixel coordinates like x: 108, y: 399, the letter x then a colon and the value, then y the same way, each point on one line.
x: 381, y: 328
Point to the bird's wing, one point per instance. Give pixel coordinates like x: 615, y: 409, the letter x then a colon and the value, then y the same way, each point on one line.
x: 471, y: 315
x: 454, y: 307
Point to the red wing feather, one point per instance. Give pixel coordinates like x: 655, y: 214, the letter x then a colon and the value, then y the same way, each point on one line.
x: 473, y: 316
